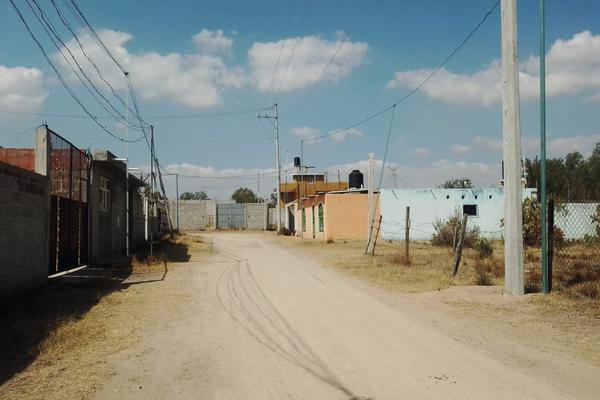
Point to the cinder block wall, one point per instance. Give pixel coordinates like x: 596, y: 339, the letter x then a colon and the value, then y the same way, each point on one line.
x: 24, y: 218
x: 192, y: 214
x: 256, y: 216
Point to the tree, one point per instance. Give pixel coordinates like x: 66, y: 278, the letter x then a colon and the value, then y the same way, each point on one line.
x: 244, y: 195
x: 201, y: 195
x: 458, y: 183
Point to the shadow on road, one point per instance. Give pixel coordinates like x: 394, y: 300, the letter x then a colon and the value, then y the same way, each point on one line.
x: 26, y: 321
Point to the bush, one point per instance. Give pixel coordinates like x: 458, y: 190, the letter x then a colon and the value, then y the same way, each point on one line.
x: 596, y: 219
x: 484, y: 247
x: 446, y: 229
x: 532, y: 222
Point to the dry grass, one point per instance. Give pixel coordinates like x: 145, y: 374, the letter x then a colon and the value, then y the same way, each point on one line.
x: 566, y: 321
x: 48, y: 337
x: 428, y: 267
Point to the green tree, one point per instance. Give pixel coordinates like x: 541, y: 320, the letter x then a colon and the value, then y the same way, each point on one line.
x: 458, y: 183
x: 244, y: 195
x: 201, y: 195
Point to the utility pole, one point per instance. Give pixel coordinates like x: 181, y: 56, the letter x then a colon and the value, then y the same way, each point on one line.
x: 544, y: 211
x: 126, y: 172
x: 371, y: 200
x: 513, y: 222
x: 177, y: 200
x: 277, y: 158
x: 394, y: 175
x: 258, y: 183
x: 152, y: 189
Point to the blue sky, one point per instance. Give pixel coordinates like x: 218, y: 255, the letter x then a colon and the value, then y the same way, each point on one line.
x: 192, y: 57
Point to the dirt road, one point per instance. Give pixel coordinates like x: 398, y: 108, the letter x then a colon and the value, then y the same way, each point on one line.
x: 264, y: 322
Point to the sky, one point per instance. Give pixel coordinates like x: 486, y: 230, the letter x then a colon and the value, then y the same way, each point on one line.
x: 328, y: 64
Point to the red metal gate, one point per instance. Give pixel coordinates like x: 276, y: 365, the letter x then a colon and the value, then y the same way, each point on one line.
x: 69, y: 176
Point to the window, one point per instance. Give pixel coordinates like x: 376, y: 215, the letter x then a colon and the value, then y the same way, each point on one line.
x: 303, y: 220
x: 104, y: 194
x: 321, y: 222
x: 470, y: 209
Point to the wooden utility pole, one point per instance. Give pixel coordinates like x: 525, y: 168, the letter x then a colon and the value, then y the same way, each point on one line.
x: 407, y: 235
x: 513, y: 223
x: 461, y: 242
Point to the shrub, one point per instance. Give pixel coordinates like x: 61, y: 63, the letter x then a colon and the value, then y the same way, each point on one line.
x: 596, y: 219
x: 446, y: 229
x: 484, y: 247
x: 483, y: 275
x: 532, y: 222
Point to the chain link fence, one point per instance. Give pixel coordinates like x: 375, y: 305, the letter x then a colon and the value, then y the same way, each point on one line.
x: 576, y: 253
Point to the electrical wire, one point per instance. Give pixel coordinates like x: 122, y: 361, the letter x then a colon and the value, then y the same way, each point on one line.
x: 337, y: 50
x: 420, y: 85
x: 280, y: 52
x: 61, y: 78
x: 287, y: 68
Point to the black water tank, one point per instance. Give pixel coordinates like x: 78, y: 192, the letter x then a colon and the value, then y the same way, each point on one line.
x: 296, y: 161
x: 355, y: 179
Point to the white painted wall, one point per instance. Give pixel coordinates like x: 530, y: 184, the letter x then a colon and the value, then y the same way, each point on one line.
x: 427, y: 205
x: 576, y: 220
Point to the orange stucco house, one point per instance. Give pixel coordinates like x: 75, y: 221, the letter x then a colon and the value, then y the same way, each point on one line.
x: 338, y: 215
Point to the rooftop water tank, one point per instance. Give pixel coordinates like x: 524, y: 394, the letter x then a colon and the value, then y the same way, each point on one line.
x: 355, y: 180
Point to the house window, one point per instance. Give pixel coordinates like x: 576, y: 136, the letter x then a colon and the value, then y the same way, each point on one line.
x: 321, y: 223
x: 303, y: 220
x: 104, y: 194
x: 470, y: 209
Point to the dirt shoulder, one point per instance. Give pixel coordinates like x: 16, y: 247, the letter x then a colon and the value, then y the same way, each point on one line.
x: 55, y: 342
x: 556, y: 323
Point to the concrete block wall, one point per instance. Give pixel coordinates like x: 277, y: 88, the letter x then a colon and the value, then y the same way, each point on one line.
x: 192, y: 214
x: 24, y: 219
x: 256, y: 216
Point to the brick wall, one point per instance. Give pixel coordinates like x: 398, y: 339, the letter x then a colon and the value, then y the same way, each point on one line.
x: 24, y: 211
x: 24, y: 158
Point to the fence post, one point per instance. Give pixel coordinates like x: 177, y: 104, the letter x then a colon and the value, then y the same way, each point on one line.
x: 407, y: 235
x: 547, y: 286
x: 461, y: 242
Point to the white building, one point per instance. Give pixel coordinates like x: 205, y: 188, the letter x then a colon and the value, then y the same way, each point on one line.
x: 485, y: 208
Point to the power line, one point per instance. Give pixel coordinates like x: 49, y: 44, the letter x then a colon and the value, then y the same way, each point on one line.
x: 280, y: 52
x: 293, y: 49
x: 61, y: 78
x: 342, y: 42
x: 83, y: 77
x: 420, y: 85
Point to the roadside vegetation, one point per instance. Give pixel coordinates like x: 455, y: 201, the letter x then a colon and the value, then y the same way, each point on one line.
x: 79, y: 319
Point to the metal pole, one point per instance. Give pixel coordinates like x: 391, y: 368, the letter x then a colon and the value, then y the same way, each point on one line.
x: 177, y: 200
x: 151, y: 189
x: 513, y: 227
x: 126, y: 174
x: 278, y: 168
x: 544, y: 211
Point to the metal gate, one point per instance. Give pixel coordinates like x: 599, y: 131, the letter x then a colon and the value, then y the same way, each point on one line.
x: 231, y: 216
x: 69, y: 175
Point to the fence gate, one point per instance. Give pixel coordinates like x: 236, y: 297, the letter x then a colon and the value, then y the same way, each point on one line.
x: 231, y: 216
x: 69, y: 175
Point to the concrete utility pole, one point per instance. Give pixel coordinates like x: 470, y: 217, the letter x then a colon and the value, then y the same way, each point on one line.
x: 277, y: 159
x: 177, y: 199
x: 371, y: 200
x: 513, y: 222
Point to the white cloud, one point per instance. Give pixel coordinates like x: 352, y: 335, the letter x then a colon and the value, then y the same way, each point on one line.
x: 432, y: 175
x: 556, y: 147
x: 305, y: 132
x: 213, y: 42
x: 573, y: 67
x: 345, y: 134
x: 21, y: 89
x: 460, y: 150
x: 195, y: 79
x: 311, y: 56
x: 421, y: 152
